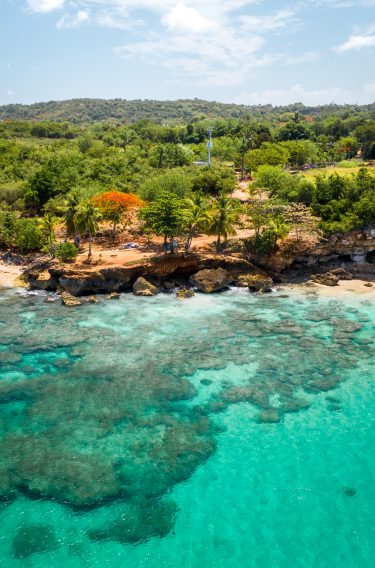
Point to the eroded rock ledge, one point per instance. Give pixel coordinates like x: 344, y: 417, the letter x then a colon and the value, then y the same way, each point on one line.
x: 177, y: 269
x: 353, y: 249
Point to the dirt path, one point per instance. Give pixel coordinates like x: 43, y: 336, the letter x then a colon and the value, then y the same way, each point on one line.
x: 8, y: 273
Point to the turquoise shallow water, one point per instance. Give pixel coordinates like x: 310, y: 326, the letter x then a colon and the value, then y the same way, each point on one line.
x: 231, y: 430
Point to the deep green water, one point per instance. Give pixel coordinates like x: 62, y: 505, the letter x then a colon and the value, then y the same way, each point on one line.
x: 227, y: 430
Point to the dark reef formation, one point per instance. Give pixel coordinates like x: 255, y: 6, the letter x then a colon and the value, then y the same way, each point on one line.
x: 92, y: 413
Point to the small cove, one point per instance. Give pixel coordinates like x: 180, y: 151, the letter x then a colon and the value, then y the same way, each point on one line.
x: 232, y: 429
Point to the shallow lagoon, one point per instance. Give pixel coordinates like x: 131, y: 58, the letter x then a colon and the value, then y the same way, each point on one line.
x: 231, y: 430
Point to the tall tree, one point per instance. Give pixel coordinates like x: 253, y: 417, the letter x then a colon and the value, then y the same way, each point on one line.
x: 164, y: 216
x: 301, y: 218
x: 48, y: 225
x: 197, y: 216
x: 70, y: 208
x: 86, y: 219
x: 113, y: 205
x: 226, y: 214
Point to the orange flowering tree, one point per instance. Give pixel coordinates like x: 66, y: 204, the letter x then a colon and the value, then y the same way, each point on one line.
x: 114, y: 205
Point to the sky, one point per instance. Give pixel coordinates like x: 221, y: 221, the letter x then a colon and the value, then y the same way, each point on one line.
x: 232, y: 51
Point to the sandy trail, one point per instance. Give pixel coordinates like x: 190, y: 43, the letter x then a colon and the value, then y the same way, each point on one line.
x: 8, y: 273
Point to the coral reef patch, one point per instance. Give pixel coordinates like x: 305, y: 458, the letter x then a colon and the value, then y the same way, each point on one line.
x: 112, y: 403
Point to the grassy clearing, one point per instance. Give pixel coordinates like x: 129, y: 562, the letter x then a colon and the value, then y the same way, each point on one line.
x: 309, y: 174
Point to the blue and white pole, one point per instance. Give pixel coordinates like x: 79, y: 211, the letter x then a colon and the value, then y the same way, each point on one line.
x: 209, y: 144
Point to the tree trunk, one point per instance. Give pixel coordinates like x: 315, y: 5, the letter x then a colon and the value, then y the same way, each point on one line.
x: 52, y: 247
x: 75, y: 236
x: 218, y: 241
x: 114, y: 230
x: 90, y: 237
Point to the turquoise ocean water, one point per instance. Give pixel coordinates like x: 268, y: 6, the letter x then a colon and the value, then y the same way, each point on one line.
x: 227, y: 430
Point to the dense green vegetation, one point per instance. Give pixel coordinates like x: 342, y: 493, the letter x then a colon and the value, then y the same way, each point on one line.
x: 80, y: 111
x: 343, y: 203
x: 44, y: 161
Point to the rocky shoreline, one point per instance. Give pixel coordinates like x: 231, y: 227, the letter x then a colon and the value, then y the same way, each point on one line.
x: 325, y: 261
x: 151, y: 277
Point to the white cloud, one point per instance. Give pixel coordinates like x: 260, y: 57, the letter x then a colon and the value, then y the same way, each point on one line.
x: 221, y: 58
x: 298, y: 94
x: 269, y: 23
x: 45, y: 6
x: 9, y: 92
x: 73, y: 21
x: 356, y: 42
x: 108, y: 20
x: 369, y: 89
x: 180, y: 18
x: 207, y: 44
x: 306, y: 58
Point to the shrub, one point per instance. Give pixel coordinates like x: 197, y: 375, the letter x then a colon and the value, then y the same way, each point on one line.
x: 171, y: 182
x: 66, y: 251
x: 265, y: 241
x: 345, y: 164
x: 28, y: 235
x: 213, y: 180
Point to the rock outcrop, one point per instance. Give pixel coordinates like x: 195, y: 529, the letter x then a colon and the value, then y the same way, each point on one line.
x: 92, y: 300
x: 351, y: 247
x: 114, y: 296
x: 143, y: 288
x: 70, y: 300
x: 260, y: 283
x: 161, y: 273
x: 183, y: 293
x: 211, y: 280
x: 43, y: 280
x: 325, y: 279
x: 341, y: 273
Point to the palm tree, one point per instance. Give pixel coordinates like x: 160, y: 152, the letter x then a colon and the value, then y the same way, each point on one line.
x: 196, y: 217
x: 49, y: 223
x: 86, y: 219
x: 199, y: 199
x: 70, y: 208
x: 226, y: 214
x: 280, y: 228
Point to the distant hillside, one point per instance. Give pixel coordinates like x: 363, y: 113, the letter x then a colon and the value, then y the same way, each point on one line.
x: 88, y: 110
x: 181, y: 111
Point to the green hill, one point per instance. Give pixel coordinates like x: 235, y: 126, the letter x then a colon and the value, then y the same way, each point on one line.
x: 181, y: 111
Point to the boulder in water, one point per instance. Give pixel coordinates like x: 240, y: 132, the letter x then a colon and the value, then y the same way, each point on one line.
x: 92, y: 300
x: 325, y: 279
x: 113, y: 296
x: 184, y: 293
x: 70, y: 300
x: 144, y: 288
x: 260, y: 283
x: 211, y: 280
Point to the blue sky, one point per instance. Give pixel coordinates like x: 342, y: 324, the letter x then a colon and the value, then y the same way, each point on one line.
x: 241, y: 51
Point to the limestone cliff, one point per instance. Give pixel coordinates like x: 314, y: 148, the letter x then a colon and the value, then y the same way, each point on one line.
x: 106, y: 280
